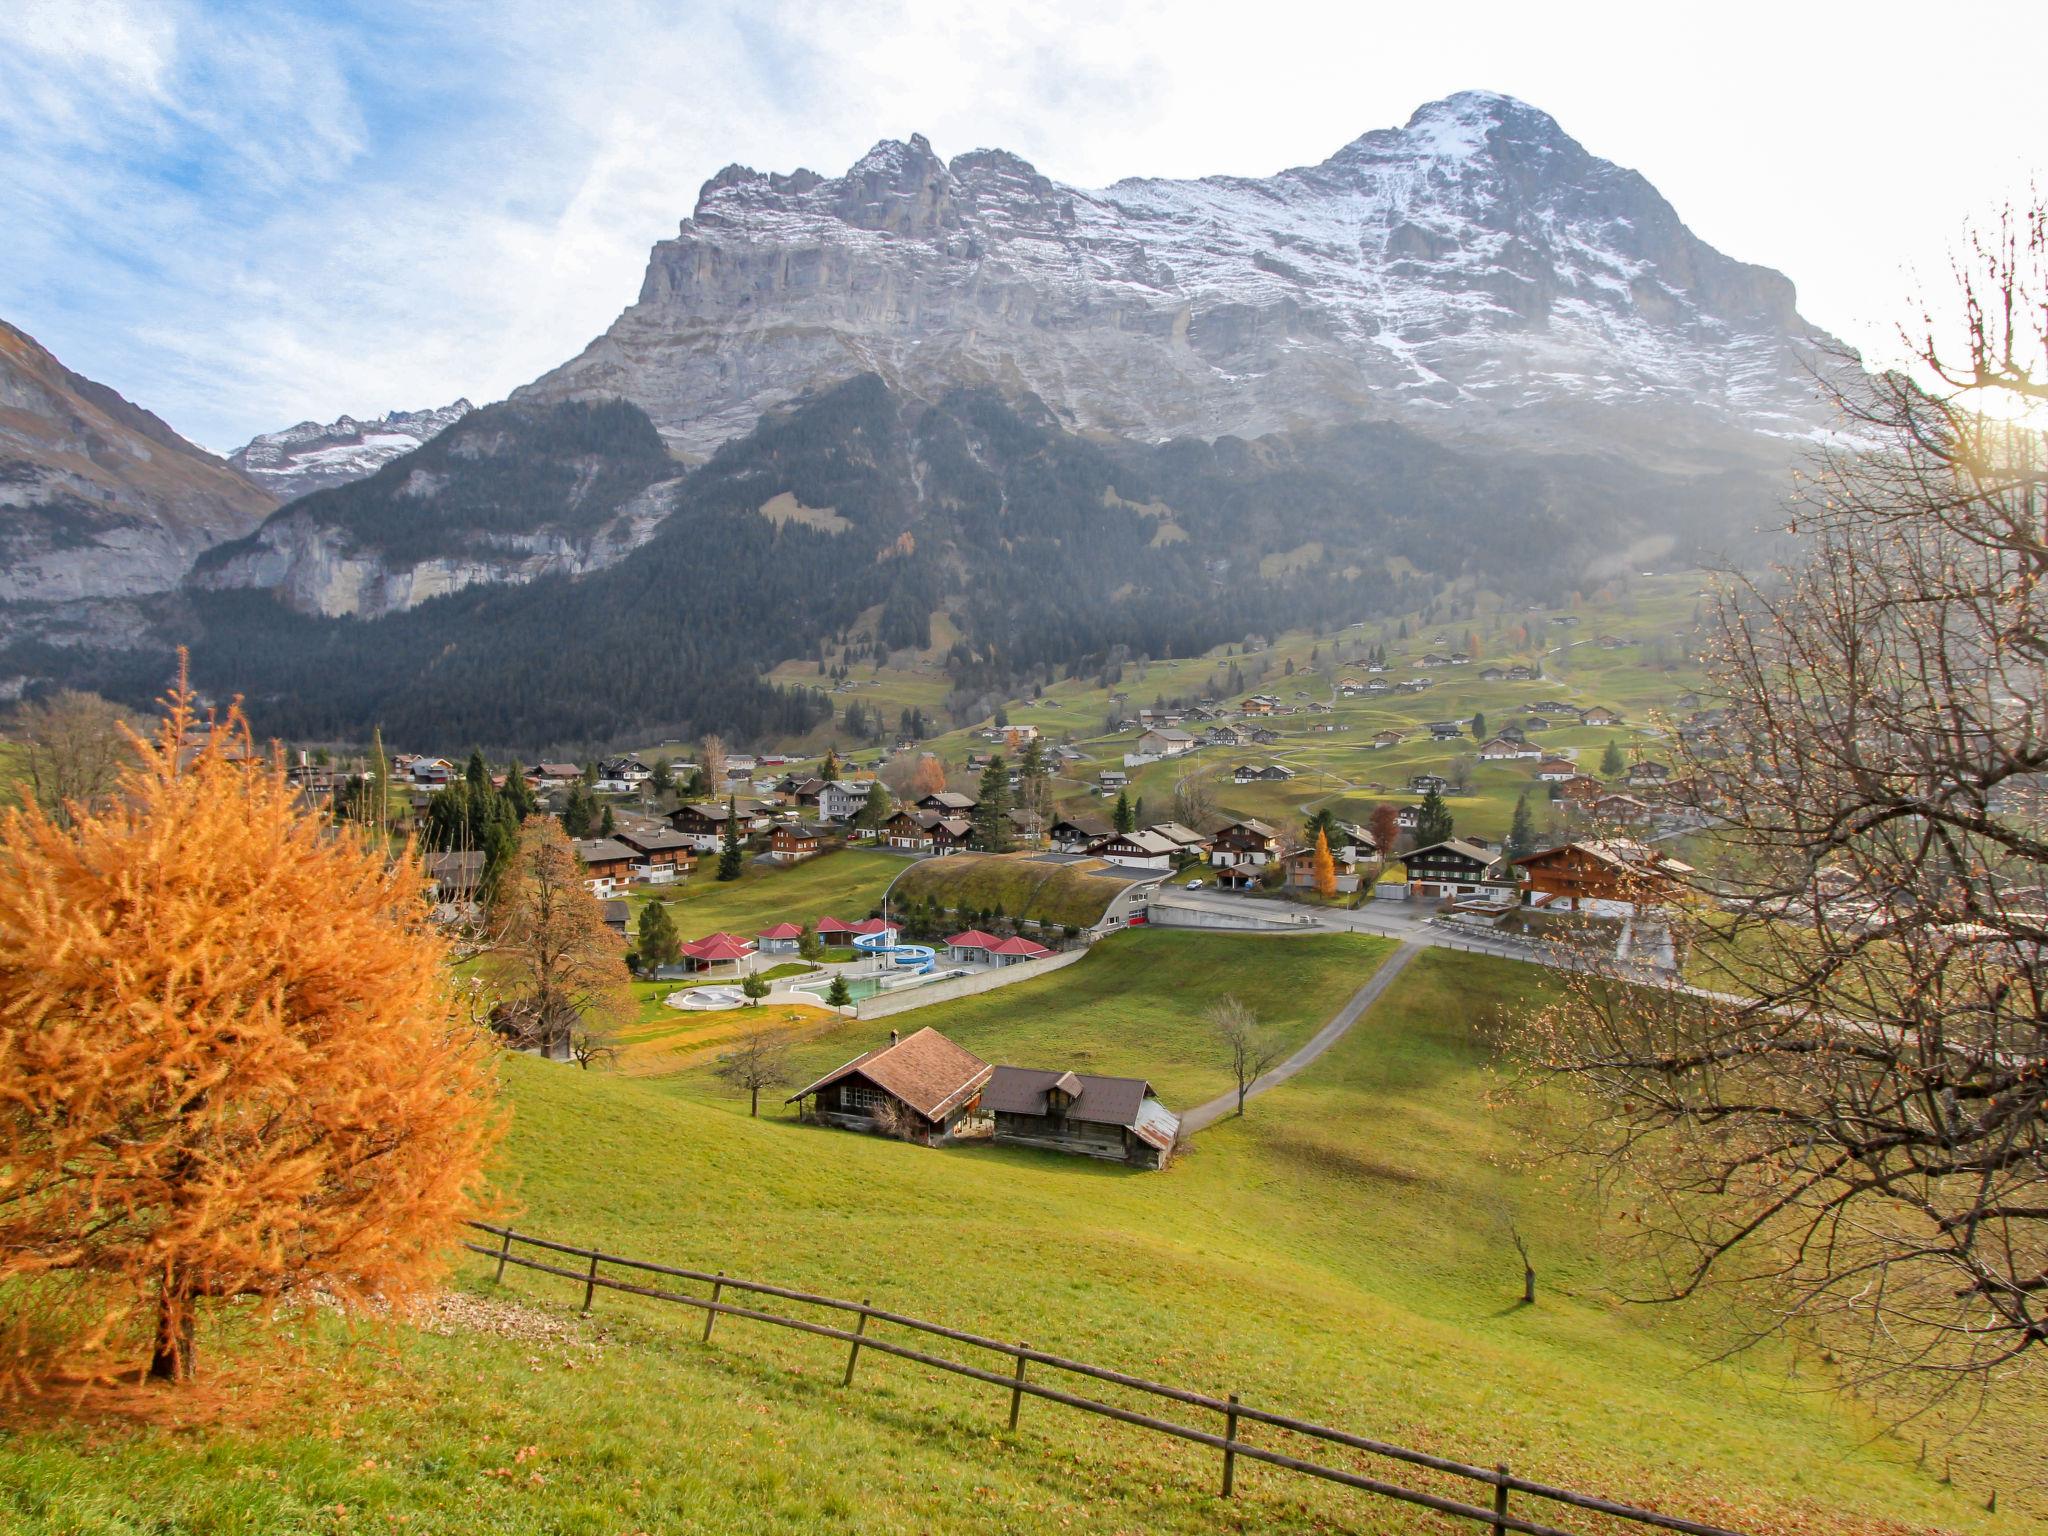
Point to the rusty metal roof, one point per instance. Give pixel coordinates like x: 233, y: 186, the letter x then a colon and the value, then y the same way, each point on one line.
x: 1098, y: 1100
x: 926, y: 1071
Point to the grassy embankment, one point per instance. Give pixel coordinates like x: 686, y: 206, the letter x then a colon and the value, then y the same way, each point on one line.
x: 1022, y: 886
x: 1340, y: 1253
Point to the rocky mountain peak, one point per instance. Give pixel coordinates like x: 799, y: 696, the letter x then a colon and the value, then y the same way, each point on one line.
x: 317, y: 456
x: 1475, y: 270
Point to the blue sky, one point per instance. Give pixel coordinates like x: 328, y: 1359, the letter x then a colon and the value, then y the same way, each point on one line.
x: 246, y: 215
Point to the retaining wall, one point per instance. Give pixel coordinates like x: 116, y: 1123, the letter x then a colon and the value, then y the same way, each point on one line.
x: 886, y: 1003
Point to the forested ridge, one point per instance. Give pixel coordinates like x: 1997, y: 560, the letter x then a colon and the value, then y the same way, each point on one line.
x: 1050, y: 550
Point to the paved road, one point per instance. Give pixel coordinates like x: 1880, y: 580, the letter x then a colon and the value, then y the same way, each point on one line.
x: 1202, y: 1116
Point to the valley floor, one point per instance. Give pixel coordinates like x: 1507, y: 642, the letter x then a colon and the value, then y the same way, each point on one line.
x: 1340, y: 1253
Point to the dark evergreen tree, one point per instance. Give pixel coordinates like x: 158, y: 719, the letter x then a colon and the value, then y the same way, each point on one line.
x: 729, y: 846
x: 991, y: 819
x: 1522, y: 831
x: 1478, y: 725
x: 1433, y: 825
x: 1124, y: 819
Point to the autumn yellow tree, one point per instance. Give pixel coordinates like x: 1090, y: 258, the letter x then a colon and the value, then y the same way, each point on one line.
x: 231, y: 1063
x: 561, y: 972
x: 1324, y: 867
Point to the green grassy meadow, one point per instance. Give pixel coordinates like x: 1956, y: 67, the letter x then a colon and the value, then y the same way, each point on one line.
x: 1339, y: 1254
x: 845, y: 884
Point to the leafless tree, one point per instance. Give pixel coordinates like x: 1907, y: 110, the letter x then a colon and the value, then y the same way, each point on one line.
x: 1194, y: 801
x: 1854, y: 1131
x: 593, y: 1047
x: 711, y: 765
x: 73, y: 748
x: 1251, y: 1052
x: 759, y: 1060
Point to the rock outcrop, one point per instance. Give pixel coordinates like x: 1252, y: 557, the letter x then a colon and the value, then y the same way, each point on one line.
x: 98, y: 498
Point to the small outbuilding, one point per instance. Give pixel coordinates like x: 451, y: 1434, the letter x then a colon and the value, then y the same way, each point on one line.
x: 1113, y: 1118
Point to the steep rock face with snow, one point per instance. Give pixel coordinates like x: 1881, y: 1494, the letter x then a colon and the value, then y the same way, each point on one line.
x: 99, y: 499
x: 316, y: 456
x: 1475, y: 271
x: 505, y: 495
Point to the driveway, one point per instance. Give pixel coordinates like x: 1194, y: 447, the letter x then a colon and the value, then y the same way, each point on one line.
x: 1202, y: 1116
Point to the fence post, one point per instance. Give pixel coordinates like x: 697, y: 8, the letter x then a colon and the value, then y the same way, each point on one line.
x: 1017, y: 1392
x: 711, y: 1313
x: 1229, y: 1446
x: 504, y: 1249
x: 853, y: 1354
x: 590, y: 1285
x: 1500, y: 1499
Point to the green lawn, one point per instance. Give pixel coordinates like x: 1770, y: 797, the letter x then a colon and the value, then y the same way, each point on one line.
x: 1339, y: 1254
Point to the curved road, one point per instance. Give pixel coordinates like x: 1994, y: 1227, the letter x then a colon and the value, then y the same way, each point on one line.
x: 1202, y: 1116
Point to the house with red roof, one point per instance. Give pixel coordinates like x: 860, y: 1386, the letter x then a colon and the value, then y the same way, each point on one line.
x: 972, y: 947
x: 1016, y: 951
x: 833, y: 931
x: 718, y: 949
x: 782, y: 939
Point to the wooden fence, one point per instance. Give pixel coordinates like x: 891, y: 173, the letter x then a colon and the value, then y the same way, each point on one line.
x: 1497, y: 1481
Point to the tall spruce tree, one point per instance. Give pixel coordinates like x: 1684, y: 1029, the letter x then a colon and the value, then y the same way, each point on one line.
x: 1522, y: 831
x: 991, y: 832
x: 1434, y: 823
x: 1124, y: 819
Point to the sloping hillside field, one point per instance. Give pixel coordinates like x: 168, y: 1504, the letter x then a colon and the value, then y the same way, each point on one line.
x: 1341, y: 1255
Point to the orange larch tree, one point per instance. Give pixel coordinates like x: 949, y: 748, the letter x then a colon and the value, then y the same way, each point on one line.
x: 1324, y: 867
x: 231, y: 1063
x: 560, y: 971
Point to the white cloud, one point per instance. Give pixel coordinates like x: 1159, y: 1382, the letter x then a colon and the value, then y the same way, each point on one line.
x: 241, y: 215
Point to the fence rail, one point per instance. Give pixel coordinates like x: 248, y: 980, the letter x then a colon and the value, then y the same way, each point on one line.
x: 1499, y: 1481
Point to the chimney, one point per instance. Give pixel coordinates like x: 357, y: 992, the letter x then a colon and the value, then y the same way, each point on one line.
x: 893, y: 1037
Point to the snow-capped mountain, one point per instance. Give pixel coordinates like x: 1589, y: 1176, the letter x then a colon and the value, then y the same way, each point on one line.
x: 313, y: 456
x: 1475, y: 270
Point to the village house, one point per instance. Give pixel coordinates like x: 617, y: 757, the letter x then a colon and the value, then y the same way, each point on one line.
x: 1260, y: 704
x: 555, y: 775
x: 1164, y: 742
x: 705, y: 824
x: 948, y: 802
x: 1301, y: 870
x: 792, y: 843
x: 1619, y: 810
x: 1112, y: 781
x: 1578, y: 789
x: 1648, y: 773
x: 971, y: 947
x: 665, y: 855
x: 1492, y: 674
x: 607, y: 863
x: 1137, y: 850
x: 1186, y: 839
x: 1117, y: 1119
x: 716, y: 949
x: 925, y: 1089
x: 1455, y: 867
x: 910, y: 831
x: 1247, y: 773
x: 1608, y: 869
x: 1500, y: 749
x: 951, y: 834
x: 618, y: 915
x: 782, y: 939
x: 1423, y: 783
x: 1379, y: 685
x: 1259, y: 736
x: 1612, y: 642
x: 833, y: 933
x: 1599, y: 714
x: 1408, y: 817
x: 454, y: 876
x: 1445, y: 730
x: 1535, y: 723
x: 1244, y: 843
x: 841, y: 799
x: 1074, y: 834
x: 1555, y: 770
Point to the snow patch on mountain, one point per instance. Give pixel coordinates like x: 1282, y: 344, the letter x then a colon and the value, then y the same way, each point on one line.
x: 313, y: 456
x: 1475, y: 269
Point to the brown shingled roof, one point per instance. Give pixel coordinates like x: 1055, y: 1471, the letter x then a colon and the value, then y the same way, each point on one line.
x: 926, y: 1071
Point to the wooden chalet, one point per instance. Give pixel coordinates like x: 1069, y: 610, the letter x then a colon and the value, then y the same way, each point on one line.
x: 1609, y: 869
x: 1074, y: 834
x: 1117, y: 1119
x: 792, y: 843
x: 929, y: 1087
x: 948, y: 802
x: 606, y: 862
x: 1143, y: 849
x: 664, y: 853
x: 1244, y: 842
x: 1454, y: 867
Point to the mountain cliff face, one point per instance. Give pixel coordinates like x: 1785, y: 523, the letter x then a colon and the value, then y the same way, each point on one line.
x: 505, y: 495
x: 98, y: 498
x: 316, y: 456
x: 1476, y: 271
